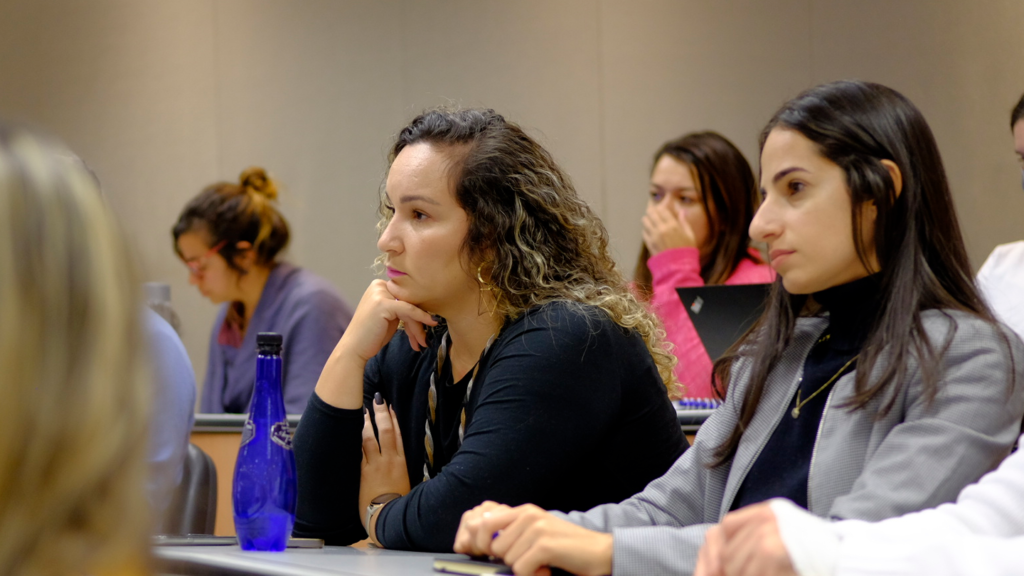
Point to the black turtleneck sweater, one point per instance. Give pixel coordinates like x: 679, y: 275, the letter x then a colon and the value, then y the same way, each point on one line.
x: 782, y: 467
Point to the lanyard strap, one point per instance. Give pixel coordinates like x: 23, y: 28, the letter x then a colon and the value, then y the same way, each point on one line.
x: 428, y: 439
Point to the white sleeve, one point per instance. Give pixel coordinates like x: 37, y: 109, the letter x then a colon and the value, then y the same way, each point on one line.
x: 1001, y: 282
x: 812, y: 542
x: 864, y: 555
x: 988, y: 515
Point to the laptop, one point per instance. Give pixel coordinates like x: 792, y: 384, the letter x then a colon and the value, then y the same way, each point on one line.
x: 721, y: 314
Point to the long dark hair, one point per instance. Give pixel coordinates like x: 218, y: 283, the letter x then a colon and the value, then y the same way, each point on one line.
x: 531, y: 238
x: 728, y: 191
x: 917, y: 240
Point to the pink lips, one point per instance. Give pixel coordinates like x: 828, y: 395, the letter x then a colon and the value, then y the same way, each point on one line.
x: 776, y: 255
x: 393, y: 273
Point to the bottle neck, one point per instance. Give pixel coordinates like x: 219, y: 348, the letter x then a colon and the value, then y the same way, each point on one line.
x: 267, y: 398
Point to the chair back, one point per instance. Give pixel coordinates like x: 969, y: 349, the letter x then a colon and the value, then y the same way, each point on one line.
x: 193, y: 508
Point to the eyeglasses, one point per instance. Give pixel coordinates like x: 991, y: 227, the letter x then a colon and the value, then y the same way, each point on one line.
x: 196, y: 266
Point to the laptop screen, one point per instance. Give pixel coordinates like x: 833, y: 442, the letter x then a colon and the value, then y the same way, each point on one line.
x: 721, y: 314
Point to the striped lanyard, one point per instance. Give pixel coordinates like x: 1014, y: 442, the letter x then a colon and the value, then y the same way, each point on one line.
x: 428, y: 440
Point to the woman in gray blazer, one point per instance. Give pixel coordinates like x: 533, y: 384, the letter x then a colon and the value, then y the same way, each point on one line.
x: 875, y: 384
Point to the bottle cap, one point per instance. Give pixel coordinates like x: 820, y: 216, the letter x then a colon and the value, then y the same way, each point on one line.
x: 269, y: 342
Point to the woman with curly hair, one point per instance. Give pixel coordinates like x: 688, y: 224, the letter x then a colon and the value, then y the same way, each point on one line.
x: 504, y: 357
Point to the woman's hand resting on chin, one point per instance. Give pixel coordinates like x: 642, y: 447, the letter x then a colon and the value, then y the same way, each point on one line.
x: 375, y: 321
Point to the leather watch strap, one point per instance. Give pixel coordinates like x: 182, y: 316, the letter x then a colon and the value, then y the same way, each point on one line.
x: 376, y: 504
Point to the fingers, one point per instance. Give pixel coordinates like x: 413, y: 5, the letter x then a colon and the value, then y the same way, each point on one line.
x: 664, y: 228
x: 403, y: 310
x: 414, y: 321
x: 533, y: 560
x: 493, y: 522
x: 709, y: 557
x: 411, y: 313
x: 542, y: 540
x: 516, y: 537
x: 417, y: 334
x: 414, y: 343
x: 648, y: 241
x: 467, y: 540
x: 702, y: 563
x: 753, y: 543
x: 385, y: 427
x: 657, y: 211
x: 735, y: 535
x: 388, y: 439
x: 399, y: 446
x: 370, y: 447
x: 684, y: 224
x: 741, y: 548
x: 531, y: 540
x: 738, y: 520
x: 648, y: 224
x: 379, y: 314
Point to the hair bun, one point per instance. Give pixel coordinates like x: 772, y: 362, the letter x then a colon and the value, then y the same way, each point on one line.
x: 255, y: 180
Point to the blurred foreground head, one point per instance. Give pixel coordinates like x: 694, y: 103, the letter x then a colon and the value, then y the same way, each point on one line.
x: 74, y: 405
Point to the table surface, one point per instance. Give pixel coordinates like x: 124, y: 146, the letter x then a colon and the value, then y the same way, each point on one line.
x: 326, y: 561
x: 688, y: 418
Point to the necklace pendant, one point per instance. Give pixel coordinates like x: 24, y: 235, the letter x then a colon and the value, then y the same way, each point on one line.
x: 796, y: 412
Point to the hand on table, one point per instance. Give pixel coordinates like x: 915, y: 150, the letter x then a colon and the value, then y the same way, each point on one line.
x: 665, y: 227
x: 384, y: 469
x: 531, y: 540
x: 746, y: 543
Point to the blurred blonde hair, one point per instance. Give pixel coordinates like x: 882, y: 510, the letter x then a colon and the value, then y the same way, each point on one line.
x: 73, y: 419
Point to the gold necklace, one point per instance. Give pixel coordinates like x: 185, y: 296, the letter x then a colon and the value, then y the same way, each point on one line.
x: 796, y: 409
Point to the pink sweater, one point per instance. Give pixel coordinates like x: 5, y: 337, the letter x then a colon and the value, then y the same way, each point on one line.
x: 679, y: 268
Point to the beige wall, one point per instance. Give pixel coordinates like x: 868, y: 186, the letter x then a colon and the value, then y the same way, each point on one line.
x: 165, y: 96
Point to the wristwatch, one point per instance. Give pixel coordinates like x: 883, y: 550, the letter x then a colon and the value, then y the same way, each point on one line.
x: 376, y: 504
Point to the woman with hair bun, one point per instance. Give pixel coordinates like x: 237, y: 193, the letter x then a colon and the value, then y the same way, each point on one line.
x: 230, y: 237
x: 525, y: 369
x: 702, y: 197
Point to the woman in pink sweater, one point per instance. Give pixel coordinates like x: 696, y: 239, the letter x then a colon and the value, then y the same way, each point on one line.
x: 703, y: 195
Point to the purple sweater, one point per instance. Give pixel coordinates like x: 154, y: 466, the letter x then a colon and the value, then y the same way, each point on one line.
x: 297, y: 304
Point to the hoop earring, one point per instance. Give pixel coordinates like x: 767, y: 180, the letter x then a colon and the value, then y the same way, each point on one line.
x: 484, y: 286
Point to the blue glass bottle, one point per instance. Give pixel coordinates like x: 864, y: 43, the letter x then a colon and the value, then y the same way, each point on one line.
x: 264, y: 489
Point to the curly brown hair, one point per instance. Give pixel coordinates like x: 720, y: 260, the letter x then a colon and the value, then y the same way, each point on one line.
x: 534, y: 239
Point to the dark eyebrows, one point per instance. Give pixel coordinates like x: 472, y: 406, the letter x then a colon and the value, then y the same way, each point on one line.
x: 664, y: 189
x: 783, y: 173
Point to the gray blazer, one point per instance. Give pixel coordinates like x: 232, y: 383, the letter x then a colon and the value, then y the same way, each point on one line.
x: 918, y: 456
